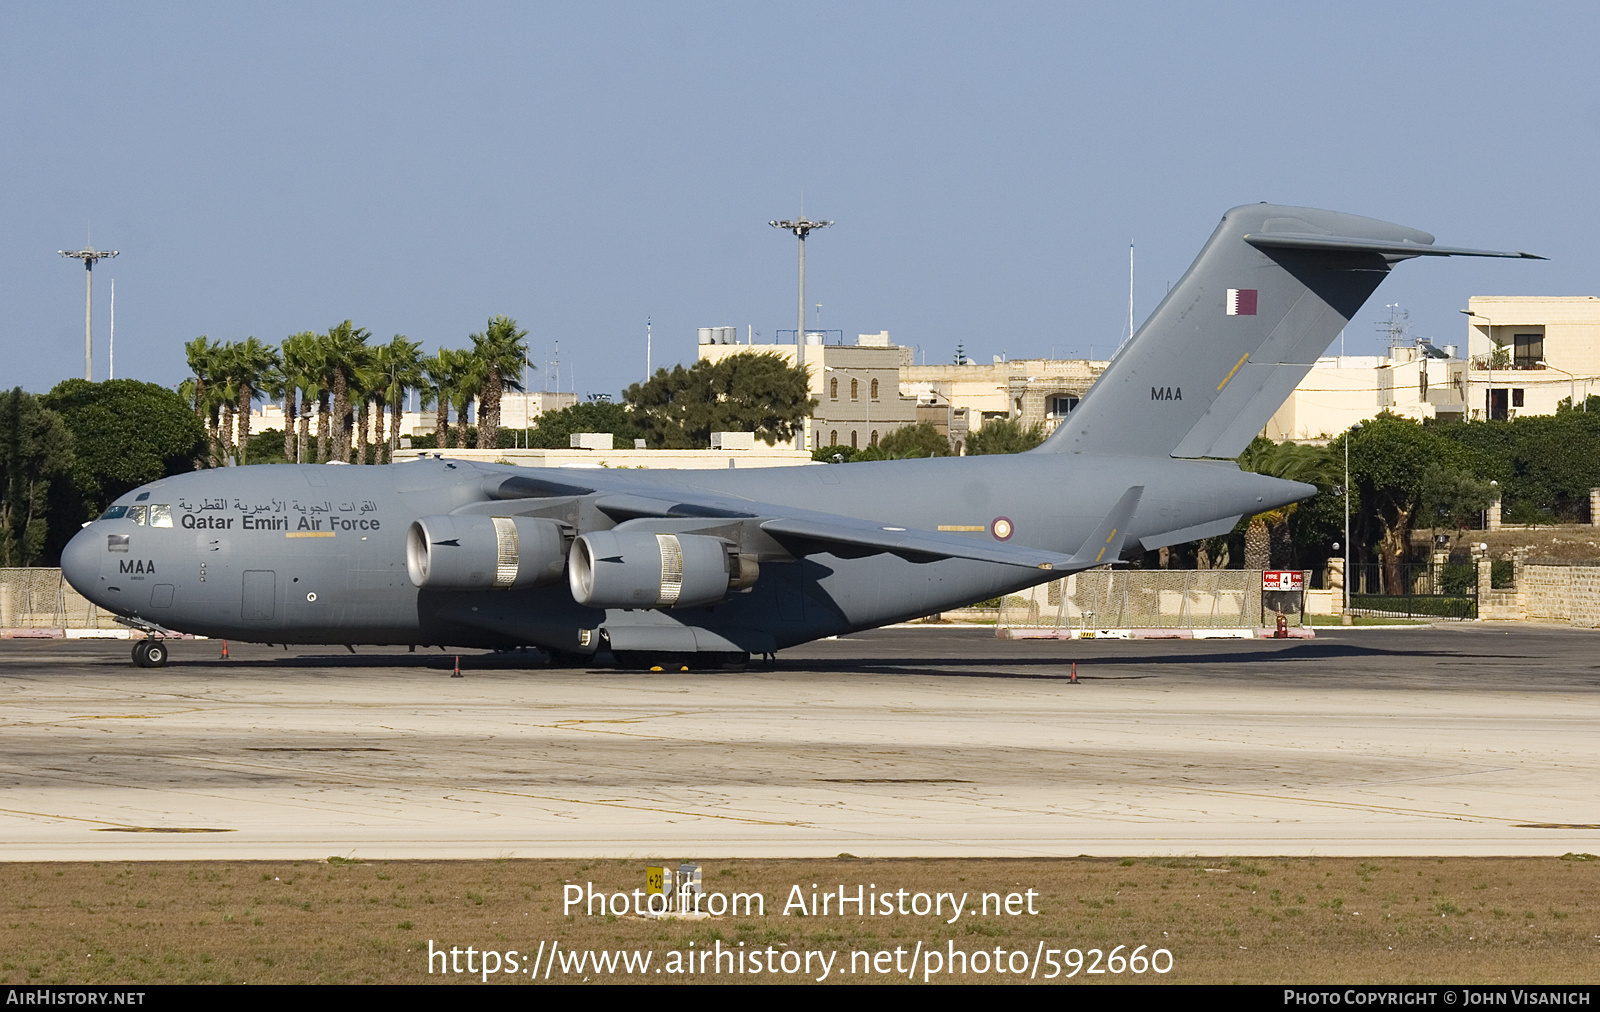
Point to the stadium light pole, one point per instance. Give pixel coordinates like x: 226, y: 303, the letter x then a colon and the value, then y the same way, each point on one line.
x: 801, y: 227
x: 88, y: 255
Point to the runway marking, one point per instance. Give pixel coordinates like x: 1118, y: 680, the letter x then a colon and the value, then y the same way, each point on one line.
x: 162, y: 829
x: 1352, y: 804
x: 337, y: 774
x: 64, y: 818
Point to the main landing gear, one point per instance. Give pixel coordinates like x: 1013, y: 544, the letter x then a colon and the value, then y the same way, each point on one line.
x: 149, y: 654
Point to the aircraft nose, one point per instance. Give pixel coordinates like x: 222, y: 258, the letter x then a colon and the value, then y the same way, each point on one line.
x: 80, y: 561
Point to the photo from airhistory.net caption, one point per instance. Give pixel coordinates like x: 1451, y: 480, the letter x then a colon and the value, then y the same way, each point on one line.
x: 1265, y: 921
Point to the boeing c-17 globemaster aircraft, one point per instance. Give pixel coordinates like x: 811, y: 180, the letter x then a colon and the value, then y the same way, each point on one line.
x: 708, y: 567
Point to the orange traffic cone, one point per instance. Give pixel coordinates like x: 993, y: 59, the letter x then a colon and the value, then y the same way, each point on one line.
x: 1073, y: 678
x: 224, y: 650
x: 458, y: 667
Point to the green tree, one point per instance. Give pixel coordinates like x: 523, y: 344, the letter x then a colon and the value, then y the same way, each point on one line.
x: 760, y: 393
x: 125, y: 434
x: 1004, y: 435
x: 554, y: 428
x: 1267, y: 542
x: 919, y: 439
x: 345, y: 353
x: 35, y: 450
x: 399, y: 365
x: 501, y: 352
x: 249, y: 364
x: 206, y: 392
x: 1396, y: 466
x: 302, y: 372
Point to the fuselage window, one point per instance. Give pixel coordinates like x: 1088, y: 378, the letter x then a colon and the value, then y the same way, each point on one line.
x: 160, y: 515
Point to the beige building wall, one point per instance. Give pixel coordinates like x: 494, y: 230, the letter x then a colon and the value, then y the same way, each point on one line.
x: 1342, y: 390
x: 1026, y: 389
x: 1562, y: 332
x: 856, y: 386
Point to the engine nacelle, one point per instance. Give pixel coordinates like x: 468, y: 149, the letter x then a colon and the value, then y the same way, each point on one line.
x: 459, y: 551
x: 629, y: 569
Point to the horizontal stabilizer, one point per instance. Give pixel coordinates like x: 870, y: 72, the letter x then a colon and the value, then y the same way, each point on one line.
x: 1291, y: 240
x: 1105, y: 544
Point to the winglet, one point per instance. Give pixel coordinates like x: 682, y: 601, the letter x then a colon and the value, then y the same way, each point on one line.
x: 1105, y: 544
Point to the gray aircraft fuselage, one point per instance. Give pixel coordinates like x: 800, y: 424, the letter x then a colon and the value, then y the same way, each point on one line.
x: 317, y: 553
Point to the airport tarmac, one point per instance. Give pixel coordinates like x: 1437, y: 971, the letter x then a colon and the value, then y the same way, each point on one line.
x: 1474, y: 739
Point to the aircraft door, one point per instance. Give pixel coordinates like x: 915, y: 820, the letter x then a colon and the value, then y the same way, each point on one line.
x: 260, y: 595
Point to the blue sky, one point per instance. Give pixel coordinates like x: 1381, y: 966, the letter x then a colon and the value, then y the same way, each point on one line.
x: 271, y: 168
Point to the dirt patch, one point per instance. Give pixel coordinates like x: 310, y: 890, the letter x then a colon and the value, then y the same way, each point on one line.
x: 1379, y: 920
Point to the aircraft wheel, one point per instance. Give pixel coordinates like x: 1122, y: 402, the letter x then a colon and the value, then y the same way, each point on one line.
x: 138, y: 654
x: 150, y: 654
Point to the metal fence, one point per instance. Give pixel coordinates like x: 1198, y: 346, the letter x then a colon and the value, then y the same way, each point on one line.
x: 1150, y: 599
x: 1415, y: 590
x: 41, y: 599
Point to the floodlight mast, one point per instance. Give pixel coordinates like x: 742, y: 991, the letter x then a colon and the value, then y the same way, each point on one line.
x: 88, y: 255
x: 801, y: 227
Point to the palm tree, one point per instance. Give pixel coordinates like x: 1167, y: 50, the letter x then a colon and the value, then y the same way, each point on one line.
x: 501, y: 351
x: 1313, y: 465
x: 205, y: 361
x: 436, y: 385
x: 466, y: 380
x: 347, y: 352
x: 250, y: 363
x: 400, y: 364
x: 302, y: 369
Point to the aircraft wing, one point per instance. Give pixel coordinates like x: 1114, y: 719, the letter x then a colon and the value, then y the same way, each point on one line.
x: 797, y: 527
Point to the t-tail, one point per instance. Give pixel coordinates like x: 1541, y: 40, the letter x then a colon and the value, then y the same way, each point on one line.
x: 1266, y: 296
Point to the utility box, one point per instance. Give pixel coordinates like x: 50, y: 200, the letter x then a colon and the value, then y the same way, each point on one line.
x: 591, y: 441
x: 733, y: 440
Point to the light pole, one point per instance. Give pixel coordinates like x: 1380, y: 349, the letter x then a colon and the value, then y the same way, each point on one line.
x: 1348, y: 573
x: 801, y: 227
x: 88, y: 255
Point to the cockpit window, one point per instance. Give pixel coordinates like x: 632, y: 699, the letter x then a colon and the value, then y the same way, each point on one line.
x: 141, y: 497
x: 114, y: 512
x: 136, y: 513
x: 160, y: 515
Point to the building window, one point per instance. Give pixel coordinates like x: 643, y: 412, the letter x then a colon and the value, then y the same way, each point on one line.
x: 833, y: 388
x: 1516, y: 397
x: 855, y: 393
x: 1062, y: 406
x: 874, y: 431
x: 852, y: 439
x: 1527, y: 350
x: 874, y: 397
x: 833, y: 438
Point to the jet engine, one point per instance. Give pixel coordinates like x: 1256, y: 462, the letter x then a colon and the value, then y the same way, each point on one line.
x: 468, y: 552
x: 612, y: 569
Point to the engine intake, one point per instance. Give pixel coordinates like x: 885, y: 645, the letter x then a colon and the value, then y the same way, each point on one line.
x: 629, y: 569
x: 469, y: 552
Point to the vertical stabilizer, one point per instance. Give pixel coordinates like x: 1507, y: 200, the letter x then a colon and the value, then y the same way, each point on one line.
x: 1266, y: 296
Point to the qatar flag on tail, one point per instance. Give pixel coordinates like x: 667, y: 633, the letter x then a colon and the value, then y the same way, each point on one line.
x: 1241, y: 302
